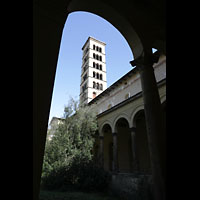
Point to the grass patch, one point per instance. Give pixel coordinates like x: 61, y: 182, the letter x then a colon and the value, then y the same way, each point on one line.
x: 52, y: 195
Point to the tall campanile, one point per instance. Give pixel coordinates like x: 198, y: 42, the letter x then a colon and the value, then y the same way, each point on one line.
x: 93, y: 70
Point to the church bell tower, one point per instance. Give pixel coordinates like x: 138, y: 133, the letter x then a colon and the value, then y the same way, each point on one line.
x: 93, y: 70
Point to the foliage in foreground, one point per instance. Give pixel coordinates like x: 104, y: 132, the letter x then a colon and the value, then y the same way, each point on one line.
x: 82, y: 175
x: 68, y: 162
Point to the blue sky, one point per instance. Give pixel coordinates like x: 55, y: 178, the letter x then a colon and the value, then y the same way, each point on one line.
x: 78, y: 27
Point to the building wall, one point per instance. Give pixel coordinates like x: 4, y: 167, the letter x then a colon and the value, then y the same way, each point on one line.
x: 127, y: 111
x: 118, y: 108
x: 129, y: 87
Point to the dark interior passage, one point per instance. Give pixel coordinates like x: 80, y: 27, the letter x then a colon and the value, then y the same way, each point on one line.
x: 142, y: 147
x: 124, y: 146
x: 107, y: 147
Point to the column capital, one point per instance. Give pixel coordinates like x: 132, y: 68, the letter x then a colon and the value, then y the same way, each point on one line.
x: 145, y: 60
x: 132, y: 129
x: 114, y: 134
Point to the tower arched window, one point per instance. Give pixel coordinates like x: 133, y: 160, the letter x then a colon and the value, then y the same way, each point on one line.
x: 94, y: 47
x: 101, y: 87
x: 100, y: 49
x: 100, y: 67
x: 100, y: 58
x: 93, y: 74
x: 97, y: 75
x: 94, y: 84
x: 94, y: 64
x: 97, y: 66
x: 97, y: 86
x: 97, y: 57
x: 93, y: 55
x: 101, y: 76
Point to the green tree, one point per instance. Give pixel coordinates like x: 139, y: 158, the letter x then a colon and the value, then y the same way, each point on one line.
x: 72, y: 142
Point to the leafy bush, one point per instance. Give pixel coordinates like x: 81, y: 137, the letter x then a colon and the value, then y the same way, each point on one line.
x: 89, y: 177
x: 68, y: 160
x: 82, y: 175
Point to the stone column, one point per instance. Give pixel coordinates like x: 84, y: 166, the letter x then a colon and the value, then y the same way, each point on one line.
x: 133, y: 147
x: 101, y: 156
x: 115, y: 153
x: 48, y: 25
x: 153, y: 115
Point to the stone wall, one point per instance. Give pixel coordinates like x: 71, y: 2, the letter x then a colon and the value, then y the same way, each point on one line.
x: 131, y: 186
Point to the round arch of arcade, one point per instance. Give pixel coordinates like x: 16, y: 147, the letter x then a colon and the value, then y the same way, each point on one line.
x: 130, y: 119
x: 107, y: 122
x: 125, y: 148
x: 134, y: 113
x: 121, y: 116
x: 120, y: 140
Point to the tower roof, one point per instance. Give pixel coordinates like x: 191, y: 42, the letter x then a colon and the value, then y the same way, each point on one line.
x: 92, y: 38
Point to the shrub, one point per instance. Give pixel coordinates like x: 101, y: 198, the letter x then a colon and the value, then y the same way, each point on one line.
x: 90, y: 177
x: 68, y: 154
x: 82, y: 175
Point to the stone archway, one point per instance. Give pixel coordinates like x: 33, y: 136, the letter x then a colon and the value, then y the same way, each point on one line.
x: 107, y: 147
x: 141, y: 142
x: 123, y: 145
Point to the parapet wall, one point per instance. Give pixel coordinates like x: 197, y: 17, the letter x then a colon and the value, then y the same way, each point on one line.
x: 132, y: 186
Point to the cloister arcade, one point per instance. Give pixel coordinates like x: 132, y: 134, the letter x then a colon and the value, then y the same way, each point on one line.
x: 123, y: 139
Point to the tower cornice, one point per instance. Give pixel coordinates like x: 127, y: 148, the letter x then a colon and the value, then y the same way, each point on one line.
x: 92, y: 38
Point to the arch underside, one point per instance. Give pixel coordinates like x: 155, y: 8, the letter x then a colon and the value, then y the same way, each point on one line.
x: 115, y: 18
x: 140, y: 29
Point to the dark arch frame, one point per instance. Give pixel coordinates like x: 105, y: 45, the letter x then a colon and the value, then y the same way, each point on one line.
x: 112, y: 16
x: 49, y: 18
